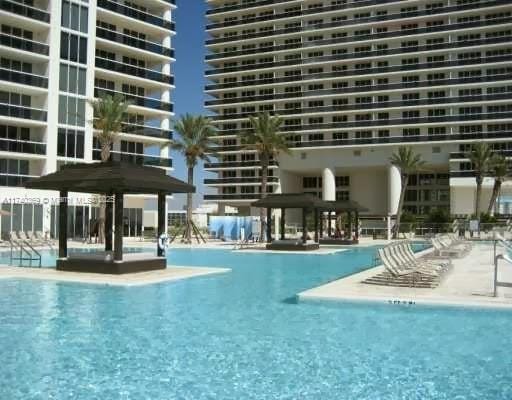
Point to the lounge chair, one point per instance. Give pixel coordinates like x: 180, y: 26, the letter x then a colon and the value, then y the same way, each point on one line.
x: 404, y: 265
x: 445, y: 251
x: 39, y: 235
x: 444, y: 262
x: 407, y: 257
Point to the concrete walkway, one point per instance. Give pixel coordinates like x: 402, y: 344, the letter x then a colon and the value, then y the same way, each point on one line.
x: 470, y: 283
x: 172, y: 273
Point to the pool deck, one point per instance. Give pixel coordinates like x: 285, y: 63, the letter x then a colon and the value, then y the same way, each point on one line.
x: 469, y: 284
x: 172, y: 273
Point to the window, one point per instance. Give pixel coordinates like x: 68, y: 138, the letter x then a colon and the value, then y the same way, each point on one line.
x: 70, y: 143
x: 73, y: 48
x: 71, y: 111
x: 72, y: 79
x: 74, y: 16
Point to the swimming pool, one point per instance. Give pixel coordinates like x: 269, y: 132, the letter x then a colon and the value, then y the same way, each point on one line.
x: 241, y: 335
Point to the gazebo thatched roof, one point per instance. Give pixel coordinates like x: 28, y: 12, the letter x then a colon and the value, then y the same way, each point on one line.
x: 342, y: 205
x: 289, y: 200
x: 113, y: 176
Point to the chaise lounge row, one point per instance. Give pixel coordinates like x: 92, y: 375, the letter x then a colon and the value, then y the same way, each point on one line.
x: 37, y: 238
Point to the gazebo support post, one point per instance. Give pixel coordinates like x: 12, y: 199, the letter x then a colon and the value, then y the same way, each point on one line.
x: 161, y: 221
x: 118, y: 225
x: 329, y: 224
x: 269, y: 225
x: 316, y: 225
x: 322, y: 221
x: 357, y: 225
x: 283, y: 213
x: 304, y: 228
x: 63, y: 224
x: 349, y: 215
x: 108, y: 221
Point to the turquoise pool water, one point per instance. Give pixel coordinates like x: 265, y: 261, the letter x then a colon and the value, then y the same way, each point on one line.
x: 241, y: 335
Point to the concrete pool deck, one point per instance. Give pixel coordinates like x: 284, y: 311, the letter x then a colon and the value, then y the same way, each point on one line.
x: 172, y: 273
x: 469, y: 283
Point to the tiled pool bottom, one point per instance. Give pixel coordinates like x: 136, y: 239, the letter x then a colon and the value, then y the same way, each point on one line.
x: 238, y: 336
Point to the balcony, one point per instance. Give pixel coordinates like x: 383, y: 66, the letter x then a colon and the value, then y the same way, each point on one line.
x: 362, y: 55
x: 359, y: 38
x: 379, y: 18
x: 234, y: 196
x: 23, y: 78
x: 139, y: 159
x: 24, y: 10
x: 382, y: 105
x: 361, y: 89
x: 14, y: 180
x: 227, y: 181
x: 387, y: 122
x: 148, y: 131
x: 463, y: 156
x: 462, y: 174
x: 132, y: 70
x: 12, y: 111
x: 134, y: 42
x: 137, y: 14
x: 20, y: 43
x: 145, y: 102
x: 361, y: 72
x: 22, y: 146
x: 235, y: 164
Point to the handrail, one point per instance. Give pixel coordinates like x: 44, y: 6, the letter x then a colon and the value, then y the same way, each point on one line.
x: 496, y: 282
x: 35, y: 251
x: 15, y: 244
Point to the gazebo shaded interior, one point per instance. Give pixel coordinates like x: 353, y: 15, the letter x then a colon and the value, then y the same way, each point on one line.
x: 113, y: 179
x: 309, y: 204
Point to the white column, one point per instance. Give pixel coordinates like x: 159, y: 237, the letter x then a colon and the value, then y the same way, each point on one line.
x: 328, y: 184
x: 394, y: 188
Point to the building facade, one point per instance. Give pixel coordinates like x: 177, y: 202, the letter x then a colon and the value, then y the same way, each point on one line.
x: 56, y: 56
x: 354, y: 80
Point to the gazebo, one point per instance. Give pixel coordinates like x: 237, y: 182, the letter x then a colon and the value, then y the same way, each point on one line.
x: 113, y: 179
x: 308, y: 203
x: 352, y: 210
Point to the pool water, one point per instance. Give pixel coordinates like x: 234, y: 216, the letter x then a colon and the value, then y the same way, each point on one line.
x: 242, y: 335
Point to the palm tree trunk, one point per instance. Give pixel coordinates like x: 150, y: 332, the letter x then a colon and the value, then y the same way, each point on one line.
x: 264, y: 170
x: 188, y: 230
x: 405, y: 179
x: 478, y: 196
x: 105, y: 156
x: 495, y: 192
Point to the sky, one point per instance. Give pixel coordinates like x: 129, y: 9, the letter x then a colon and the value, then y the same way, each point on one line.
x: 189, y: 69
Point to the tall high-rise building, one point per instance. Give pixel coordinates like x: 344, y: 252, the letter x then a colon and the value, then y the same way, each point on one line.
x: 353, y: 80
x: 56, y: 56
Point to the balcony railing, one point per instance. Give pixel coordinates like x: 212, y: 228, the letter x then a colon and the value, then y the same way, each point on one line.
x: 376, y: 18
x: 234, y: 164
x: 361, y: 72
x: 139, y: 159
x: 359, y: 38
x: 136, y: 14
x: 146, y: 102
x: 15, y: 179
x: 23, y: 78
x: 362, y: 55
x: 9, y: 110
x: 234, y: 196
x: 387, y: 122
x: 452, y: 137
x: 24, y: 10
x: 22, y: 146
x: 255, y: 180
x: 20, y: 43
x: 462, y: 174
x: 133, y: 70
x: 134, y: 42
x: 148, y: 131
x: 464, y: 156
x: 361, y: 89
x: 435, y: 101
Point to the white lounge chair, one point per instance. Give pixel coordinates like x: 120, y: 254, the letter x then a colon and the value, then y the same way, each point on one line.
x: 404, y: 265
x: 411, y: 259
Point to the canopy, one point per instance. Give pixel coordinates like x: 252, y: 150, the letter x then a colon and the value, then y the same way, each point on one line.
x: 342, y: 205
x: 113, y: 176
x: 289, y: 200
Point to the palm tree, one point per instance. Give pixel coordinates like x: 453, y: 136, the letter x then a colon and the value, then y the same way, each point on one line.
x: 480, y: 158
x: 499, y: 170
x: 265, y: 139
x: 109, y: 115
x: 195, y: 143
x: 407, y: 163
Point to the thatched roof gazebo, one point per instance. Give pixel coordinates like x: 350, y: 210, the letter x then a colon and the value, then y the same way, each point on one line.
x: 113, y: 179
x: 306, y: 202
